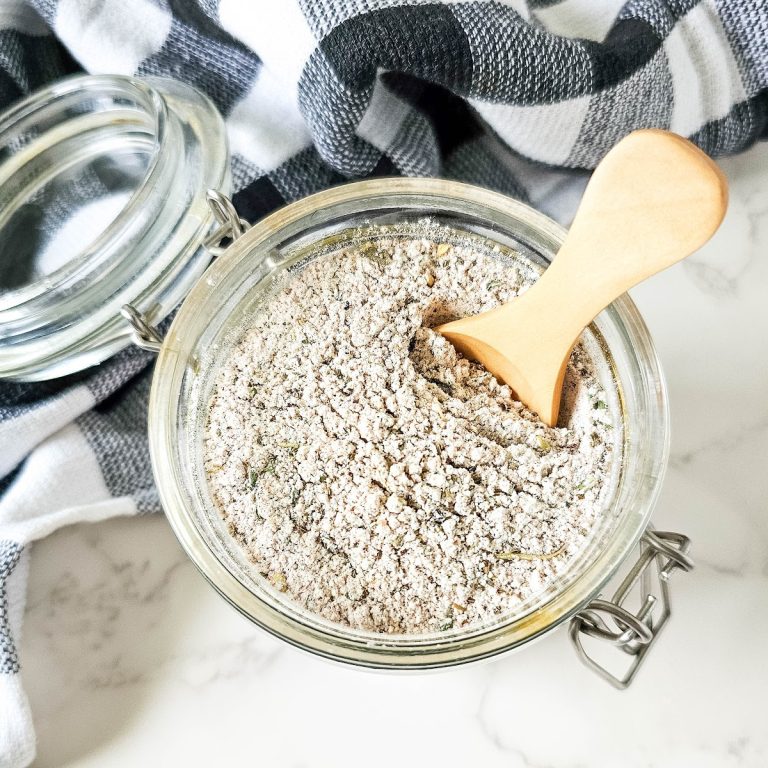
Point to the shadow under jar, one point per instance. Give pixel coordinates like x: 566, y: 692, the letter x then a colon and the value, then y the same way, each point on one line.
x: 137, y: 164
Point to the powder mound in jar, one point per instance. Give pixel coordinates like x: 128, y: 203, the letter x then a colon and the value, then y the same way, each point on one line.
x: 373, y: 474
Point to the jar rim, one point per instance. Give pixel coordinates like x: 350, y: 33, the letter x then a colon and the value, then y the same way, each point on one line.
x: 325, y: 638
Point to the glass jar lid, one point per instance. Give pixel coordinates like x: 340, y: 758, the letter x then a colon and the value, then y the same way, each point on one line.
x: 103, y: 183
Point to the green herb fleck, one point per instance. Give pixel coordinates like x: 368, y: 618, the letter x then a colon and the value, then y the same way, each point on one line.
x: 491, y: 284
x: 544, y: 445
x: 600, y: 405
x: 268, y: 469
x: 586, y: 484
x: 518, y: 555
x: 446, y: 625
x: 371, y: 251
x: 278, y: 581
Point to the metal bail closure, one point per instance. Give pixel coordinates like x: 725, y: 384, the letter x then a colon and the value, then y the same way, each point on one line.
x: 633, y: 633
x: 231, y: 226
x: 144, y: 335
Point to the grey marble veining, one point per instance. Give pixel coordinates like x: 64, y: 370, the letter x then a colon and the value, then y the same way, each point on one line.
x: 131, y: 659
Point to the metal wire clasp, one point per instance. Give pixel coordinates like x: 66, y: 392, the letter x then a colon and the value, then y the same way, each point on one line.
x: 145, y: 335
x: 231, y: 226
x: 633, y: 633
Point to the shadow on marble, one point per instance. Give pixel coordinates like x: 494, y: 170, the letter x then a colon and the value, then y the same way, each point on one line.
x: 110, y: 606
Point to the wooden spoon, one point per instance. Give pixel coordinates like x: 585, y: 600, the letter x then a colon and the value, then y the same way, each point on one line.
x: 653, y: 200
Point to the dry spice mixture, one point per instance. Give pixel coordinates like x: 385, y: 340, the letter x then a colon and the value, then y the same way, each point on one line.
x: 378, y: 478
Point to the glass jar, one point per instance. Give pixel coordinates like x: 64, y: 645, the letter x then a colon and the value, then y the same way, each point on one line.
x: 135, y: 161
x: 211, y: 319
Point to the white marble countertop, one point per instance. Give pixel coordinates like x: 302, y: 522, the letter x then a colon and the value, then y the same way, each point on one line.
x: 131, y: 659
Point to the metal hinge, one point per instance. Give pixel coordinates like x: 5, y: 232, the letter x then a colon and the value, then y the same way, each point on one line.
x: 230, y: 228
x: 634, y: 632
x: 144, y: 335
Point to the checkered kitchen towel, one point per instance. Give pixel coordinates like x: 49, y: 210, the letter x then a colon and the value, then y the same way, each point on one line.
x: 316, y: 92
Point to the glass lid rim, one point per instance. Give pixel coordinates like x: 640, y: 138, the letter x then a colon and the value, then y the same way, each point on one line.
x: 168, y: 375
x: 82, y: 84
x: 168, y: 247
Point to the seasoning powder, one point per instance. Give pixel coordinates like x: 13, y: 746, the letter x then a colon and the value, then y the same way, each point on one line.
x: 377, y: 477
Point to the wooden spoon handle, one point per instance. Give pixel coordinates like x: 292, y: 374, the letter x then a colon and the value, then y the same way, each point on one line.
x: 653, y: 200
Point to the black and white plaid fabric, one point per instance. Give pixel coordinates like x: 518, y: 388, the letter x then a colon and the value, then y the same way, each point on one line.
x: 517, y: 95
